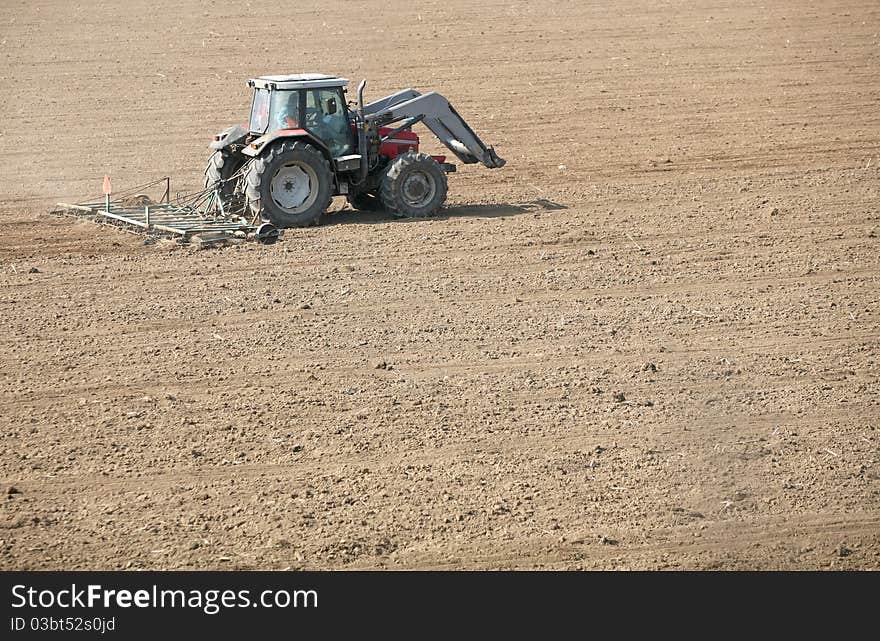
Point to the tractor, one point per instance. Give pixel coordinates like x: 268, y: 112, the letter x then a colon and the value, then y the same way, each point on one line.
x: 305, y: 144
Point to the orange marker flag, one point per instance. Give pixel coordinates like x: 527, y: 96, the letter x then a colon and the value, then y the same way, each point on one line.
x: 106, y: 185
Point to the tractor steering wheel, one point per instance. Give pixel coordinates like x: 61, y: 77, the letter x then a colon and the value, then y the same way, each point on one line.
x: 311, y: 117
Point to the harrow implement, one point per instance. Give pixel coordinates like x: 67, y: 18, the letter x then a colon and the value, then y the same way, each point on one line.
x: 186, y: 216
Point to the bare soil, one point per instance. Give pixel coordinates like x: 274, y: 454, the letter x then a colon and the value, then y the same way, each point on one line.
x: 650, y: 341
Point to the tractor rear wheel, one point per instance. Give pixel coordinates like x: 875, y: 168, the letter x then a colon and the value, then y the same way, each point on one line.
x: 289, y: 185
x: 414, y: 185
x: 219, y: 173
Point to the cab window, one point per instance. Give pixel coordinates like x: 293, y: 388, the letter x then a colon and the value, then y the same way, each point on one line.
x: 325, y: 116
x: 286, y: 109
x: 260, y: 111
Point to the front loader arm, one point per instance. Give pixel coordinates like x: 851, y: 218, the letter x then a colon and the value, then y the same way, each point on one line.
x: 440, y: 117
x: 383, y: 104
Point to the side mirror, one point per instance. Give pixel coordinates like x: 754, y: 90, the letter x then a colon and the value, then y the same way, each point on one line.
x: 331, y: 106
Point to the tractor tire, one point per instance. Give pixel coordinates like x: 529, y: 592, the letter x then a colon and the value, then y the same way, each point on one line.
x: 414, y: 186
x: 289, y: 185
x: 222, y: 166
x: 365, y: 201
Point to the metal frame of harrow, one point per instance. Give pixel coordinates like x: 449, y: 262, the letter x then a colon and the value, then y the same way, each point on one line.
x: 184, y: 218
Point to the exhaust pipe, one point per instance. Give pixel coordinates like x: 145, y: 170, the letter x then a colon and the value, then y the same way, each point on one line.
x: 361, y: 97
x: 362, y: 133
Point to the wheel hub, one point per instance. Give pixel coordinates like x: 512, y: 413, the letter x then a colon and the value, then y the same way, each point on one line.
x: 418, y: 189
x: 291, y: 186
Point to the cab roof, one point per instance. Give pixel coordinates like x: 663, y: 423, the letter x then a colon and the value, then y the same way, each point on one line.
x: 297, y: 81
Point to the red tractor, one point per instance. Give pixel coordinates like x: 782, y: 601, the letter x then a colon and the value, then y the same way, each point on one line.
x: 303, y: 145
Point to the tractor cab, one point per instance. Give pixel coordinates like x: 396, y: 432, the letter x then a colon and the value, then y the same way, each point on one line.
x: 311, y: 101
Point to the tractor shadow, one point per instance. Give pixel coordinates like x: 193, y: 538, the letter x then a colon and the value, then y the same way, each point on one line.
x: 348, y: 216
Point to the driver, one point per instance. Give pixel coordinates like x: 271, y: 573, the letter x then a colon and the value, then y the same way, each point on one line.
x: 285, y: 117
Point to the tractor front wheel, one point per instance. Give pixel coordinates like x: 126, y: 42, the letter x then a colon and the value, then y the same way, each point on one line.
x: 289, y: 185
x: 414, y: 185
